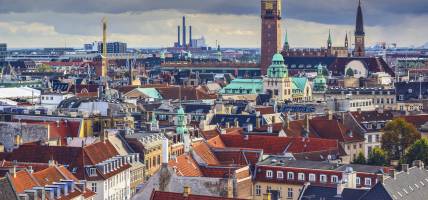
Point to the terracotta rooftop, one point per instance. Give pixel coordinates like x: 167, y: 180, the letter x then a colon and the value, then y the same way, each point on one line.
x: 203, y: 150
x: 185, y: 165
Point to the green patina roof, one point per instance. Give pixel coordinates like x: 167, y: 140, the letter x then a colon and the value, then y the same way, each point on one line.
x: 299, y: 83
x: 255, y: 85
x: 150, y: 92
x: 278, y: 57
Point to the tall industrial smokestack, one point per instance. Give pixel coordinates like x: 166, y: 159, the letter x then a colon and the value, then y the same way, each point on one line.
x: 190, y: 36
x: 184, y: 32
x: 178, y: 37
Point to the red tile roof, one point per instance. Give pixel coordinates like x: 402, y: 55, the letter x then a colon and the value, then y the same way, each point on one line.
x: 416, y: 120
x: 82, y: 156
x: 278, y: 145
x: 203, y: 150
x: 333, y: 129
x: 23, y: 181
x: 237, y: 156
x: 62, y: 129
x: 158, y: 195
x: 185, y: 166
x: 218, y: 172
x: 265, y: 110
x: 216, y: 142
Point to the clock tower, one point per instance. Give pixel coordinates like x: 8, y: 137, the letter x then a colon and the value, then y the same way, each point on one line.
x: 271, y: 32
x: 359, y: 50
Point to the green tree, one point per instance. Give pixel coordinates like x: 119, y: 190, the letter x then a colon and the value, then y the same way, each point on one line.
x: 324, y: 71
x: 349, y: 72
x: 398, y: 136
x: 418, y: 151
x: 360, y: 159
x: 44, y: 68
x: 377, y: 157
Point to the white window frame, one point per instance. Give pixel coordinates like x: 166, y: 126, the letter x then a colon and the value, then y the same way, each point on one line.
x: 301, y: 176
x: 368, y: 181
x: 290, y: 193
x: 94, y: 187
x: 269, y: 173
x: 290, y: 175
x: 92, y: 171
x: 312, y: 178
x: 358, y: 180
x: 334, y: 177
x: 323, y: 178
x: 280, y: 174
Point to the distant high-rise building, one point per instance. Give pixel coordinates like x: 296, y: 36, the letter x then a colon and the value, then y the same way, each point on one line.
x: 3, y: 52
x: 271, y: 32
x: 359, y: 50
x: 113, y: 47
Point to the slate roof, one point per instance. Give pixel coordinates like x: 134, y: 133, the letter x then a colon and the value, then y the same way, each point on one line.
x: 410, y: 90
x: 221, y: 119
x: 7, y: 191
x: 311, y: 192
x: 411, y: 185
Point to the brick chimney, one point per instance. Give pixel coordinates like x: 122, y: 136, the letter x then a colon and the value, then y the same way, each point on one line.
x: 186, y: 191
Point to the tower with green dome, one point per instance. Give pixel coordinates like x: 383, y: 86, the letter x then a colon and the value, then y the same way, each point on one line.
x: 277, y: 83
x: 320, y: 82
x: 181, y: 128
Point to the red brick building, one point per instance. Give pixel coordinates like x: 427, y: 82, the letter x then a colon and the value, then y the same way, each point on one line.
x: 271, y: 32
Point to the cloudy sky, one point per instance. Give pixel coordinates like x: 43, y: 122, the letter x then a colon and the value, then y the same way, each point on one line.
x: 235, y: 23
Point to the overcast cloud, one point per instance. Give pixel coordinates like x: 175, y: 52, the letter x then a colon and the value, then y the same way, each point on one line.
x: 236, y: 23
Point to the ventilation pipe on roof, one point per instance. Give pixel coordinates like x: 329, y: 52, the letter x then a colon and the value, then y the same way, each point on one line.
x: 186, y: 191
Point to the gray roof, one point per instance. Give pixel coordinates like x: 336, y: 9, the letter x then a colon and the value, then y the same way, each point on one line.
x: 7, y: 191
x: 412, y: 185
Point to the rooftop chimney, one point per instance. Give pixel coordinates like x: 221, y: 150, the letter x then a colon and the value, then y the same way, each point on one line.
x: 393, y: 173
x: 165, y: 151
x: 190, y: 36
x: 381, y: 178
x: 186, y: 191
x: 405, y: 168
x: 184, y: 32
x: 419, y: 164
x: 178, y: 36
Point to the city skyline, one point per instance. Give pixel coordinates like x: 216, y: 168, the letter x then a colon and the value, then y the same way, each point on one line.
x: 234, y: 23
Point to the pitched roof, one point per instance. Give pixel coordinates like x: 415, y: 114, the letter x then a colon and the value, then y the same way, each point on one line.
x: 203, y: 151
x: 333, y: 129
x: 185, y: 166
x: 278, y: 145
x: 7, y: 190
x: 23, y: 181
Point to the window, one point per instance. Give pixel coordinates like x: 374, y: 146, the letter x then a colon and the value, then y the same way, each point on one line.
x: 268, y: 189
x: 301, y: 176
x: 368, y: 181
x: 290, y: 193
x: 358, y: 180
x: 280, y: 174
x: 334, y: 179
x: 269, y: 173
x: 369, y: 138
x: 94, y: 187
x: 92, y: 172
x: 323, y: 178
x: 312, y: 177
x: 258, y: 190
x: 290, y: 175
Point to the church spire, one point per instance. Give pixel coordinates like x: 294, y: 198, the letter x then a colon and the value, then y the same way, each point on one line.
x: 329, y: 41
x: 346, y: 40
x: 359, y: 25
x: 286, y: 44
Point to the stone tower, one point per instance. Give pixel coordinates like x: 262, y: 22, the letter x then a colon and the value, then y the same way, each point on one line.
x: 271, y: 32
x: 359, y: 50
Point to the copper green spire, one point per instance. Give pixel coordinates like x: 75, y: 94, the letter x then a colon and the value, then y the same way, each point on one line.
x: 286, y: 44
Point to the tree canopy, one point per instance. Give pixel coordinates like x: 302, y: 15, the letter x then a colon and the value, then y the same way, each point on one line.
x: 360, y: 159
x: 418, y: 151
x: 377, y: 157
x: 398, y: 136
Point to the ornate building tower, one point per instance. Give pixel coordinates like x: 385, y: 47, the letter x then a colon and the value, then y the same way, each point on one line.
x: 271, y: 32
x: 359, y: 50
x: 286, y: 46
x: 277, y: 83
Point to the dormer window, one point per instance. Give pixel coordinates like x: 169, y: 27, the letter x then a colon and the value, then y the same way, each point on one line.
x: 410, y: 90
x: 92, y: 171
